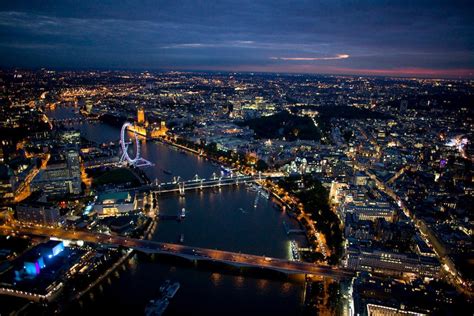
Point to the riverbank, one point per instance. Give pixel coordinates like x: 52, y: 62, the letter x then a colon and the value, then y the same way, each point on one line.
x: 122, y: 259
x: 224, y: 219
x: 126, y: 256
x: 269, y: 186
x: 202, y: 154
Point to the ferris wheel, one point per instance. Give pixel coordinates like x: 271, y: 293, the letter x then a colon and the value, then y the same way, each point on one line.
x: 137, y: 161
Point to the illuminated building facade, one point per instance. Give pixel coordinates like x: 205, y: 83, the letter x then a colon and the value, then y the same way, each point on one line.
x: 33, y: 266
x: 61, y: 176
x: 391, y: 263
x: 6, y: 185
x: 39, y: 213
x: 111, y: 204
x: 140, y: 116
x: 35, y: 260
x: 143, y: 128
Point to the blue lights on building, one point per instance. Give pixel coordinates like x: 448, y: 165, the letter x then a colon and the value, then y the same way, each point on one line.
x: 33, y: 267
x: 88, y: 209
x: 34, y: 261
x: 58, y: 248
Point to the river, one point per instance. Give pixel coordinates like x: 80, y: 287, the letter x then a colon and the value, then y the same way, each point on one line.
x: 229, y: 219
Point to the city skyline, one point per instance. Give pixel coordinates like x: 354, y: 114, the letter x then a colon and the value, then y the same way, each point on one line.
x: 402, y: 39
x: 249, y: 192
x: 239, y: 158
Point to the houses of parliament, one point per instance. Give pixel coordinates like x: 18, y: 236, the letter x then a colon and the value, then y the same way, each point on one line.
x: 143, y: 128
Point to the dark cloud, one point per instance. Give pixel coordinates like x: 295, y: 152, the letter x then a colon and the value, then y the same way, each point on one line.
x: 267, y: 35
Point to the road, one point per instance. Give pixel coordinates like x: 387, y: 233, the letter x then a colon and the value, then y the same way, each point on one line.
x: 321, y: 241
x: 419, y: 224
x: 188, y: 252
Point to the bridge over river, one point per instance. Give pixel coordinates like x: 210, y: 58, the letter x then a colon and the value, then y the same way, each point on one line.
x: 201, y: 183
x: 187, y: 252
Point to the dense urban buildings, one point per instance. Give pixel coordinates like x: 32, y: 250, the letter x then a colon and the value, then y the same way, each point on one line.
x: 236, y: 158
x: 373, y: 176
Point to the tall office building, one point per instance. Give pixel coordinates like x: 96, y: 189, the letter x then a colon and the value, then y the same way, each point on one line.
x: 61, y: 176
x: 6, y: 185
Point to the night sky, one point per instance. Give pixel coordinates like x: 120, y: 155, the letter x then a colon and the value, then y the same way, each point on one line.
x: 409, y: 38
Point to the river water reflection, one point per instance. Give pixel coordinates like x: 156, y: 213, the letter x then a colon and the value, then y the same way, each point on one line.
x: 234, y: 219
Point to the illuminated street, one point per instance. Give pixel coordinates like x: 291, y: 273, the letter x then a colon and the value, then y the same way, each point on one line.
x: 237, y: 158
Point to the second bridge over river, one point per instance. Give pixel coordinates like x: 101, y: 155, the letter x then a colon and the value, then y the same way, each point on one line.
x: 200, y: 183
x: 188, y: 252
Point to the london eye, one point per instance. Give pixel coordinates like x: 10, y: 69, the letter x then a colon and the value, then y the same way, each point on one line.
x: 136, y: 161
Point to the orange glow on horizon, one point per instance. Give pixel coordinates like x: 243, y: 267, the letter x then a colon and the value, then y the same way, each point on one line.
x: 333, y: 70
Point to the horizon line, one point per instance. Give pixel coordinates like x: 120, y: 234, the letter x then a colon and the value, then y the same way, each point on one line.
x: 379, y: 73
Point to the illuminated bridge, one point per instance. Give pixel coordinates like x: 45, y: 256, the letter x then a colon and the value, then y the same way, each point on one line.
x: 200, y: 183
x: 188, y: 252
x: 68, y: 120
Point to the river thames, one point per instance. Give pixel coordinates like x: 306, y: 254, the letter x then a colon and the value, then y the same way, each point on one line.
x: 234, y: 219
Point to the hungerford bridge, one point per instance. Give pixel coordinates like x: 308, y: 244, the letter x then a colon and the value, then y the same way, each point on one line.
x: 200, y: 183
x: 239, y: 260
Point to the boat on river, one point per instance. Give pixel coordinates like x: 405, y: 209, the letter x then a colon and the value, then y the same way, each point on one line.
x: 171, y: 290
